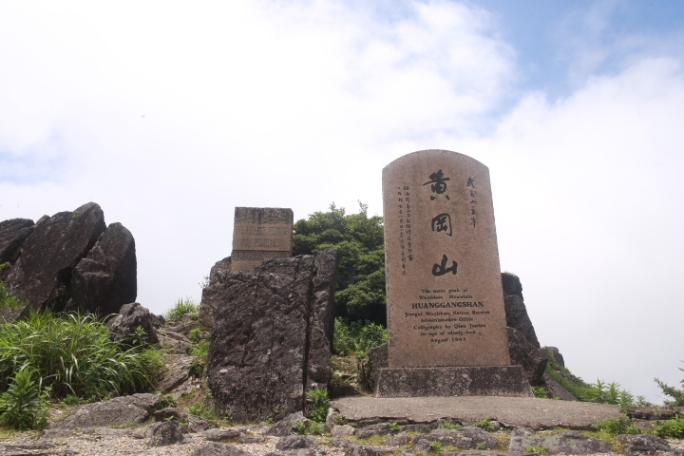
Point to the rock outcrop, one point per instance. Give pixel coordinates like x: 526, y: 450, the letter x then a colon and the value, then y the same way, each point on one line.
x: 70, y: 261
x: 516, y: 313
x: 523, y: 344
x: 212, y: 293
x: 272, y: 335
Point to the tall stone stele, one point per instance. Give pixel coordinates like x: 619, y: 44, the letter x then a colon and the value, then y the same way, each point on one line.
x: 445, y: 309
x: 260, y: 233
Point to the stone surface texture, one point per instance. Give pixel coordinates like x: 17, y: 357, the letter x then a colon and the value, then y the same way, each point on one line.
x: 643, y: 444
x: 532, y: 359
x: 509, y: 411
x: 211, y: 294
x: 444, y: 294
x: 466, y: 438
x: 166, y: 433
x: 132, y: 316
x: 453, y: 381
x: 272, y: 336
x: 568, y: 442
x: 260, y: 233
x: 71, y: 260
x: 12, y: 235
x: 516, y: 312
x: 107, y: 276
x: 120, y: 410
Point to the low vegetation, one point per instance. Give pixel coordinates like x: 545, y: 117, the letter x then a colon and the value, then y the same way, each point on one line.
x: 182, y: 307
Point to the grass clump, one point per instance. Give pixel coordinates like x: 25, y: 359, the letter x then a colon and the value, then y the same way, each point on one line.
x: 540, y: 392
x: 536, y: 449
x: 7, y: 299
x: 74, y: 355
x: 183, y: 307
x: 448, y: 424
x: 677, y: 394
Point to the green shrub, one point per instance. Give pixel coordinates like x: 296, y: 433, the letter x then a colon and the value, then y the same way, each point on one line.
x: 25, y: 404
x: 615, y: 426
x: 540, y: 392
x: 74, y: 355
x: 182, y: 307
x: 670, y: 429
x: 358, y: 337
x: 7, y: 299
x: 485, y: 424
x: 318, y: 398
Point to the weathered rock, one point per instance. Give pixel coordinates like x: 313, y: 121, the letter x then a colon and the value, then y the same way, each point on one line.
x: 170, y: 413
x: 643, y: 444
x: 121, y: 410
x: 42, y: 273
x: 398, y: 440
x: 269, y: 339
x: 173, y: 342
x: 342, y: 430
x: 198, y: 424
x: 555, y: 355
x: 123, y: 327
x: 322, y: 319
x: 12, y: 235
x: 373, y: 429
x: 223, y: 435
x: 357, y: 449
x: 661, y: 412
x: 556, y: 390
x: 178, y: 370
x: 106, y: 278
x: 287, y: 426
x: 566, y: 442
x: 516, y: 313
x: 370, y: 369
x: 213, y: 292
x: 532, y: 359
x: 295, y: 442
x: 466, y: 438
x: 70, y: 261
x: 218, y: 449
x: 166, y: 433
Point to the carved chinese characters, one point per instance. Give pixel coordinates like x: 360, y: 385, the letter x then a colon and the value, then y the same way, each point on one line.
x: 444, y: 296
x: 260, y: 233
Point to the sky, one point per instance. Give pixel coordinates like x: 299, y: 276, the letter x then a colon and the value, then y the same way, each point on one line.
x: 170, y: 114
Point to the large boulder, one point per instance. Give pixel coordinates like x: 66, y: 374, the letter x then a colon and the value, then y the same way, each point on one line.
x: 107, y: 277
x: 122, y: 410
x: 272, y: 336
x: 516, y: 313
x: 71, y: 260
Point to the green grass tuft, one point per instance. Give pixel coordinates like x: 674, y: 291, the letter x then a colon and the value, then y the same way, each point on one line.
x: 73, y: 355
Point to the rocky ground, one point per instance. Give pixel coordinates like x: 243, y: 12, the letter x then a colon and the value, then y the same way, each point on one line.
x: 142, y: 424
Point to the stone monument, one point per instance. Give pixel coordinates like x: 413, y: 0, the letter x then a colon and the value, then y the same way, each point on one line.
x: 260, y: 233
x: 445, y: 309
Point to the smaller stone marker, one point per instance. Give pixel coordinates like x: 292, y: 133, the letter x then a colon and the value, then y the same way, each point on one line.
x: 260, y: 233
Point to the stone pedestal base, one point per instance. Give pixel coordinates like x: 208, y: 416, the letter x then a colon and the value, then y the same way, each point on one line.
x: 453, y: 381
